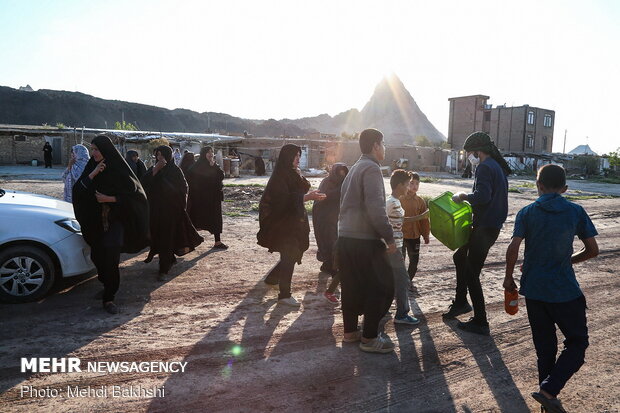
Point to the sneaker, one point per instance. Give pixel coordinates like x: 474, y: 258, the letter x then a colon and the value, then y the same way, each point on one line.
x: 550, y: 405
x: 290, y: 301
x: 331, y: 297
x: 406, y: 320
x: 353, y: 337
x: 110, y: 307
x: 275, y: 287
x: 474, y: 327
x: 378, y: 344
x: 457, y: 309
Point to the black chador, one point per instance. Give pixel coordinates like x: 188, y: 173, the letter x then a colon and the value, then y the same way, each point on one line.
x: 206, y: 194
x: 172, y: 232
x: 114, y: 225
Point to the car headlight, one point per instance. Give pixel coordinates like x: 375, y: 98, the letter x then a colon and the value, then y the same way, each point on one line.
x: 70, y: 224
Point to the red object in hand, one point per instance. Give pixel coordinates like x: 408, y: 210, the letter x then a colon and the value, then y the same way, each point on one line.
x: 511, y: 301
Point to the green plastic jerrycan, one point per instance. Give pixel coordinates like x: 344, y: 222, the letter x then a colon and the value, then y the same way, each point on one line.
x: 450, y: 222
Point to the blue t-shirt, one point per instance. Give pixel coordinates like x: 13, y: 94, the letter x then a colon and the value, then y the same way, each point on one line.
x: 549, y: 226
x: 489, y: 200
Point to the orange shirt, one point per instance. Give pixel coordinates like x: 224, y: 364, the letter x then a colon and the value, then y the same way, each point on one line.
x: 414, y: 205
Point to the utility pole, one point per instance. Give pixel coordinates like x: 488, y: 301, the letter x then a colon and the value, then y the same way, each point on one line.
x: 564, y: 149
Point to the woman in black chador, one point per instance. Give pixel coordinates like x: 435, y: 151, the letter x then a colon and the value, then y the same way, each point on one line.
x: 112, y: 210
x: 206, y: 193
x: 325, y: 223
x: 186, y: 162
x: 47, y: 154
x: 283, y: 220
x: 172, y: 232
x: 259, y: 166
x: 135, y: 163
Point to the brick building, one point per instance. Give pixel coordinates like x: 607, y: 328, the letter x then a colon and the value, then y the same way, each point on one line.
x: 524, y: 129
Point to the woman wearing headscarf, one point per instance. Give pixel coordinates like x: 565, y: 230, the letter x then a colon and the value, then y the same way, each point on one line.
x: 47, y: 154
x: 172, y: 232
x: 186, y: 162
x: 77, y: 163
x: 259, y: 166
x: 112, y: 210
x: 489, y: 201
x: 325, y: 223
x: 135, y: 163
x: 283, y: 220
x: 206, y: 193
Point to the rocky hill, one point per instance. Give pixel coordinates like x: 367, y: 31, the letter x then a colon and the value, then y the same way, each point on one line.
x: 391, y: 109
x: 78, y: 109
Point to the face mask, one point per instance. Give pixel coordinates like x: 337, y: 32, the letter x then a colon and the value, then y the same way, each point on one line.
x: 474, y: 161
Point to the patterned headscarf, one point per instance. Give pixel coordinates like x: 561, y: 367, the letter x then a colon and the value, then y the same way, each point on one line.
x: 81, y: 159
x: 481, y: 141
x: 70, y: 176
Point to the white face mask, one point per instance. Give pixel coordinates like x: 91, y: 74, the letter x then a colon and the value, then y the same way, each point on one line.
x: 474, y: 161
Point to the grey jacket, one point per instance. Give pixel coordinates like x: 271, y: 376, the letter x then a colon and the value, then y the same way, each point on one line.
x: 362, y: 203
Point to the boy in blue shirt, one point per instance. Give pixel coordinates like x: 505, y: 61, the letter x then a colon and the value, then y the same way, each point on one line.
x: 552, y: 293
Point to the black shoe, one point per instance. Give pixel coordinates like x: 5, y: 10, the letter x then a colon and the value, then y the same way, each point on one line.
x: 474, y: 327
x: 220, y: 246
x: 550, y: 405
x: 457, y: 309
x: 162, y: 277
x: 110, y: 307
x: 149, y: 258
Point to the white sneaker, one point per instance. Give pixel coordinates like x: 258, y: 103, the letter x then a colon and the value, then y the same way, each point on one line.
x: 290, y: 301
x: 379, y: 344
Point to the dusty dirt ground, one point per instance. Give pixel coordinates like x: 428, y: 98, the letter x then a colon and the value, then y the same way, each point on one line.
x: 246, y: 354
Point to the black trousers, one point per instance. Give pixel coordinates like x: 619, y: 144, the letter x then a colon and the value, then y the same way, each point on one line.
x: 411, y: 247
x: 469, y: 260
x: 367, y: 283
x: 570, y: 317
x: 107, y: 259
x: 282, y: 274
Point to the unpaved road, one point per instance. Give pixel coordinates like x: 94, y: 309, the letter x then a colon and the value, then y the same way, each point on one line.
x: 246, y: 354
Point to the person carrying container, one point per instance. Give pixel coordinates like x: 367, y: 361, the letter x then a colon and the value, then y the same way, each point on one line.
x: 489, y: 201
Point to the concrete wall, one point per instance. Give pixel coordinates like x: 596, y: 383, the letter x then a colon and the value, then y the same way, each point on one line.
x: 22, y: 146
x: 323, y: 153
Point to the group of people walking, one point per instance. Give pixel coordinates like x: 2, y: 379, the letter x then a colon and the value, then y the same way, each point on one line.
x: 123, y: 207
x: 361, y: 242
x: 363, y: 236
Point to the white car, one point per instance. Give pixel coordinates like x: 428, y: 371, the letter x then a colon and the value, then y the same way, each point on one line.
x: 40, y: 240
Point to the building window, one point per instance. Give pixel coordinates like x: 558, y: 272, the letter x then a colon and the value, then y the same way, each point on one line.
x: 544, y: 146
x: 530, y: 117
x: 547, y: 121
x: 530, y: 141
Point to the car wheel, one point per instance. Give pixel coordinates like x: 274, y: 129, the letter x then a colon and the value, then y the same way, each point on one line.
x: 26, y: 274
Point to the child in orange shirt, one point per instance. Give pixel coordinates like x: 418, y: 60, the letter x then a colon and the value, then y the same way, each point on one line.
x: 414, y: 205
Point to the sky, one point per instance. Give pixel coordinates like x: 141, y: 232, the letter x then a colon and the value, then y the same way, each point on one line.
x: 289, y: 59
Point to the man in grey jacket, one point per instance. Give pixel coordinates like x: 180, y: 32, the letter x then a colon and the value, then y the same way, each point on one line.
x: 363, y: 232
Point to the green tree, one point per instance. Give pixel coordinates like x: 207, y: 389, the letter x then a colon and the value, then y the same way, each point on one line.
x: 124, y: 126
x: 156, y: 143
x: 614, y: 158
x: 422, y: 140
